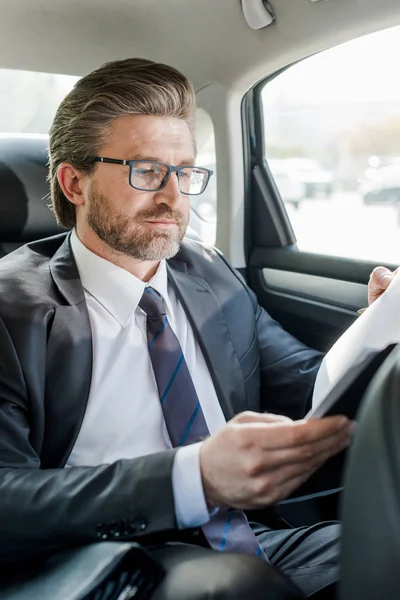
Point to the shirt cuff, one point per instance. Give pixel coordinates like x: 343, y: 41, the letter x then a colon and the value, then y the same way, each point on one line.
x: 190, y: 505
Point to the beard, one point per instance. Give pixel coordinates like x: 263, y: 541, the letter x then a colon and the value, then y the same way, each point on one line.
x: 132, y: 236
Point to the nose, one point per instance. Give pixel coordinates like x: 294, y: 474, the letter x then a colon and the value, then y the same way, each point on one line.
x: 170, y: 194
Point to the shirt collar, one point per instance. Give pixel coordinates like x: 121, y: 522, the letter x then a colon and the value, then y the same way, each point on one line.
x: 115, y: 288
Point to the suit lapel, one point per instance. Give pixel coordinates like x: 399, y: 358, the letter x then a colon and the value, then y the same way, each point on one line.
x: 65, y: 273
x: 69, y: 362
x: 208, y: 323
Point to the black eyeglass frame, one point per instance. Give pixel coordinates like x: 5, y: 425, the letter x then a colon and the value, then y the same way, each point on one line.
x: 171, y: 169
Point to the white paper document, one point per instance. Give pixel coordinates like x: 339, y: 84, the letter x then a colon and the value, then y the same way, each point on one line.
x: 374, y: 330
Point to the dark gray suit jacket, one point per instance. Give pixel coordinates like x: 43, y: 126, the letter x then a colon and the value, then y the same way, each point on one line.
x: 45, y: 376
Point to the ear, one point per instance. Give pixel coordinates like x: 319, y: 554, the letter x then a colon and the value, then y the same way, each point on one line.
x: 71, y: 183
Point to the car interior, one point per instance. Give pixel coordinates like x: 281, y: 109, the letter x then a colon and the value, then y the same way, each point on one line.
x: 298, y: 105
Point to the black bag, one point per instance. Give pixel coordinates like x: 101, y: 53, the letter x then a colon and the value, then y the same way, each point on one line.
x: 101, y: 571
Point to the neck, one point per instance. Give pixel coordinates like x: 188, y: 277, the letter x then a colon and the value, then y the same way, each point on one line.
x: 142, y: 269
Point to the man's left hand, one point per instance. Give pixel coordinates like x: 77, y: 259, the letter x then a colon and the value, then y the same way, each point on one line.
x: 379, y: 281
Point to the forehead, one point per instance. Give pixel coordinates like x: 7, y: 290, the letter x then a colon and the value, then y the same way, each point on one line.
x: 147, y: 134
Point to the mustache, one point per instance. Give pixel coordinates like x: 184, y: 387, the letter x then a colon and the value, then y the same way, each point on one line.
x: 161, y: 212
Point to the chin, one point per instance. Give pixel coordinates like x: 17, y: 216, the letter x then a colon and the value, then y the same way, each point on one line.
x: 163, y: 251
x: 159, y: 248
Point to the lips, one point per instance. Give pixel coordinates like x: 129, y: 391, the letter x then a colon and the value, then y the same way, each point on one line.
x: 162, y: 222
x: 161, y: 217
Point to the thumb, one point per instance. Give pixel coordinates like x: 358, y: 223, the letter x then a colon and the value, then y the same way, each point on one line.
x: 254, y: 417
x: 382, y: 276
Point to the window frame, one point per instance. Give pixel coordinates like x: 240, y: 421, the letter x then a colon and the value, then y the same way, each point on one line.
x: 263, y: 201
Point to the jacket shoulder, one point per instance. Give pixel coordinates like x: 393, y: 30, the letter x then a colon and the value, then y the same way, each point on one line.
x: 207, y: 261
x: 196, y: 254
x: 25, y: 273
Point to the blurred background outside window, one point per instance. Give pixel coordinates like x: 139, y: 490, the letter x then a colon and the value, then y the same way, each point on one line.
x: 29, y: 100
x: 332, y: 143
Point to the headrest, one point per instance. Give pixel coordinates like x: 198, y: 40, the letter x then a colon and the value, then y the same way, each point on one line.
x: 24, y: 190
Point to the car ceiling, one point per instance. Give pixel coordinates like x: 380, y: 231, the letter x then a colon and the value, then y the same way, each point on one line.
x: 208, y: 40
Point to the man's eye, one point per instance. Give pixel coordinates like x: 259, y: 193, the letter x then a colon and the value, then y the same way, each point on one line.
x: 185, y: 174
x: 144, y: 171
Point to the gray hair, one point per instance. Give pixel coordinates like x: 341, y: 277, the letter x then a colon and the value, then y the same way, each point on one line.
x: 133, y: 86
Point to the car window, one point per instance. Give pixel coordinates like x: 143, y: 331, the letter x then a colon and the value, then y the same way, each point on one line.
x: 29, y: 100
x: 204, y: 207
x: 332, y: 143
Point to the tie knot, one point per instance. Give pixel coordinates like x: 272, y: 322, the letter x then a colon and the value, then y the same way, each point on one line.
x: 152, y: 303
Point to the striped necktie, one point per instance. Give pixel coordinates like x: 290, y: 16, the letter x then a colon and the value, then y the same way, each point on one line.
x: 228, y: 529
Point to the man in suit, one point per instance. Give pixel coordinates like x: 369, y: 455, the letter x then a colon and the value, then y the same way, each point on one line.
x: 140, y: 381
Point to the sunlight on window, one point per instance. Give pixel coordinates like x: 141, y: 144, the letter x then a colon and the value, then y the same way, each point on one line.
x: 332, y: 140
x: 29, y: 100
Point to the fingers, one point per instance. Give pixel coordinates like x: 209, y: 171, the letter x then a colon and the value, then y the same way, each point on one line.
x: 290, y: 481
x: 257, y: 458
x: 254, y: 417
x: 379, y: 281
x: 286, y: 489
x: 278, y: 484
x: 381, y: 277
x: 298, y: 433
x: 308, y: 453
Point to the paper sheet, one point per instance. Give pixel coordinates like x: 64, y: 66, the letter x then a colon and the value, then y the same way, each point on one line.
x: 373, y: 331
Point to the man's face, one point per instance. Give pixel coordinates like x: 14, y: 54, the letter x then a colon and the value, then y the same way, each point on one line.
x: 144, y: 225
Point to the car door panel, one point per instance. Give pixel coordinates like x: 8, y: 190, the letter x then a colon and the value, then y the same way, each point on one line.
x: 314, y: 296
x: 315, y: 309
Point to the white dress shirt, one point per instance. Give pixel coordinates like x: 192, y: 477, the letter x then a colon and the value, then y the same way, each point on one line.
x: 123, y: 418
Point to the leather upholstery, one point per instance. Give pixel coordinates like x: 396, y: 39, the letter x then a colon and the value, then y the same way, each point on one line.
x: 370, y: 554
x: 24, y: 191
x: 81, y: 572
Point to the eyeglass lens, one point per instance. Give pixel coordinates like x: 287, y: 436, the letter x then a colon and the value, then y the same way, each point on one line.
x: 151, y: 176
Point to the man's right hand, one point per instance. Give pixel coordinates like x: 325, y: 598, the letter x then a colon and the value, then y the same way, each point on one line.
x: 259, y: 458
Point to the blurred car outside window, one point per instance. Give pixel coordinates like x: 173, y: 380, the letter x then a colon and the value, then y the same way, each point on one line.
x: 332, y: 144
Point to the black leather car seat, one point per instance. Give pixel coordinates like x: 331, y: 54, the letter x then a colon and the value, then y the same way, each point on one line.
x: 370, y: 553
x: 24, y: 191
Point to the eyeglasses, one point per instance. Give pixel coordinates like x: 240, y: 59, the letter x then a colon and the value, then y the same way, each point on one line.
x: 152, y: 176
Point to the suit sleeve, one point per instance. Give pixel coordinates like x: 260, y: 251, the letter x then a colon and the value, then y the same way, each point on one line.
x: 288, y: 367
x: 190, y: 503
x: 45, y: 509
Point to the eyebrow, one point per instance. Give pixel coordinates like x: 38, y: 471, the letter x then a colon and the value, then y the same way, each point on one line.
x: 182, y: 163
